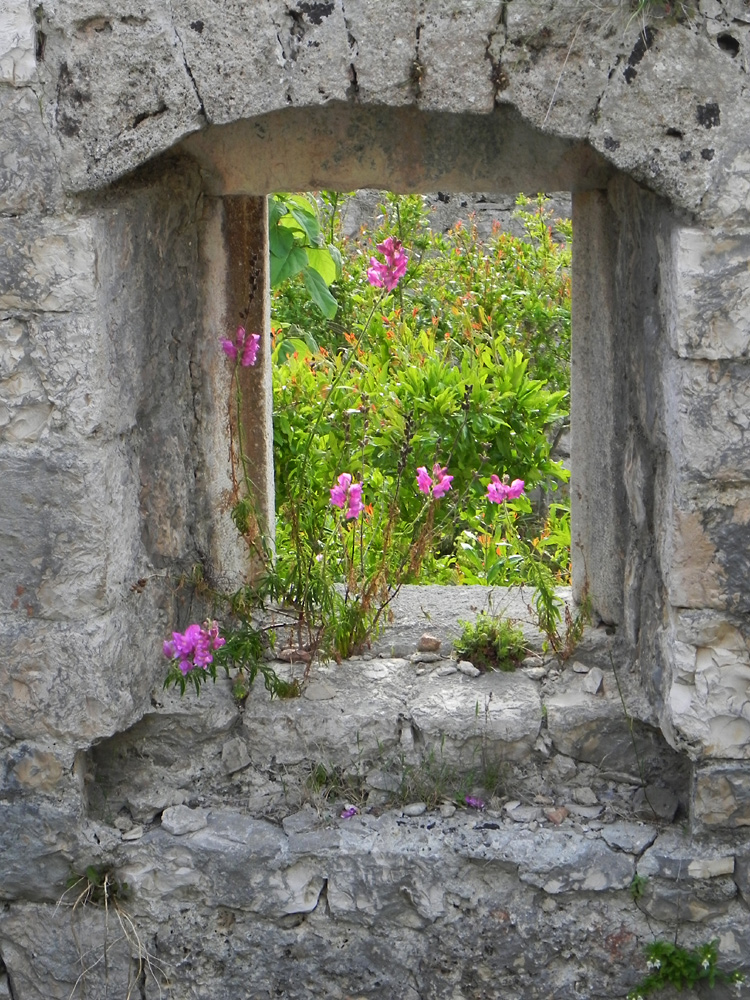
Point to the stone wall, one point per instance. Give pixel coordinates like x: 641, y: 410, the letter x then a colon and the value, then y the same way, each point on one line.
x: 136, y: 143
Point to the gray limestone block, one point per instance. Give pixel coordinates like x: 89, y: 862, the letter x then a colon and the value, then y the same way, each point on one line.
x: 706, y: 547
x: 17, y: 44
x: 443, y: 609
x: 378, y: 81
x: 691, y: 130
x: 707, y: 410
x: 633, y: 838
x: 677, y: 856
x: 52, y: 267
x: 122, y: 89
x: 708, y: 297
x: 459, y: 718
x: 721, y: 797
x: 596, y: 729
x: 49, y: 687
x: 234, y: 756
x: 454, y: 73
x: 309, y: 48
x: 338, y: 731
x: 38, y: 841
x: 692, y: 902
x: 29, y: 176
x: 51, y: 953
x: 542, y: 34
x: 69, y: 525
x: 179, y: 820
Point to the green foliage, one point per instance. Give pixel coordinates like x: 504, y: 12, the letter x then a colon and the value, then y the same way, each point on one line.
x: 457, y: 286
x: 465, y: 366
x: 97, y: 886
x: 637, y: 886
x: 297, y: 248
x: 240, y: 656
x: 491, y: 643
x: 682, y: 968
x: 439, y: 376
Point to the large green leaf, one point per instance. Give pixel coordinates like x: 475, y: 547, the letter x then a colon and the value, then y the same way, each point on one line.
x: 320, y: 260
x: 319, y: 293
x: 283, y: 268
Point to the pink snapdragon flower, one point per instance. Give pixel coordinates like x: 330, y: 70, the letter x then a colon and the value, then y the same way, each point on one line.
x: 194, y: 647
x: 387, y: 275
x: 439, y: 485
x: 499, y: 492
x: 244, y: 346
x: 347, y: 496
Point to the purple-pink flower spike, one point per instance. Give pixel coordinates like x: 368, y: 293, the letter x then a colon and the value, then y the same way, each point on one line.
x: 388, y: 274
x: 244, y: 346
x: 442, y: 481
x: 474, y: 803
x: 347, y: 496
x: 424, y: 482
x: 194, y: 646
x: 438, y: 486
x: 499, y: 492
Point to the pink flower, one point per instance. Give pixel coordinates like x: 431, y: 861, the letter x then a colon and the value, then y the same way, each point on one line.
x: 387, y: 275
x: 245, y: 346
x: 355, y: 505
x: 347, y: 496
x: 439, y: 485
x: 442, y: 481
x: 424, y: 482
x: 194, y: 646
x: 473, y: 802
x: 338, y: 493
x: 499, y: 492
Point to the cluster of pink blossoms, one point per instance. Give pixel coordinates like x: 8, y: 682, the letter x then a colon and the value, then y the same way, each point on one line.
x: 244, y: 346
x: 439, y: 486
x: 499, y: 492
x: 347, y: 496
x: 194, y: 647
x: 387, y: 275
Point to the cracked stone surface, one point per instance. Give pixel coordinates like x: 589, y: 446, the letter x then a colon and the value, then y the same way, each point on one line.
x: 124, y: 129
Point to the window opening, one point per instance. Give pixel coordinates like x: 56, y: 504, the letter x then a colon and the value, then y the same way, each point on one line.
x: 410, y: 403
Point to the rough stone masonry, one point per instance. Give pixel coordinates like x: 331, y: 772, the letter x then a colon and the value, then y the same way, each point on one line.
x: 137, y: 140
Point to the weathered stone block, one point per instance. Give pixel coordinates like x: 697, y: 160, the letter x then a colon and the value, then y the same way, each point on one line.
x: 464, y: 721
x: 47, y: 266
x: 706, y: 706
x: 676, y: 856
x: 61, y: 556
x: 372, y: 35
x: 707, y: 414
x: 705, y: 546
x: 451, y: 70
x: 82, y: 938
x: 692, y: 901
x: 708, y: 294
x: 306, y: 46
x: 81, y: 681
x: 29, y: 177
x: 131, y: 68
x: 721, y: 797
x: 598, y: 729
x: 17, y: 43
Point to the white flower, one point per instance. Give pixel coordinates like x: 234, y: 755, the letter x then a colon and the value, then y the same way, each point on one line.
x: 705, y: 963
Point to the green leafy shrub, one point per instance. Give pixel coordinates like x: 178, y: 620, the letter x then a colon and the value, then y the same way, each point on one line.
x: 682, y: 968
x: 491, y: 643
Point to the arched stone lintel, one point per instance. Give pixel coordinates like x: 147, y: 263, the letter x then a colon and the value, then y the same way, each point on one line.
x: 344, y: 146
